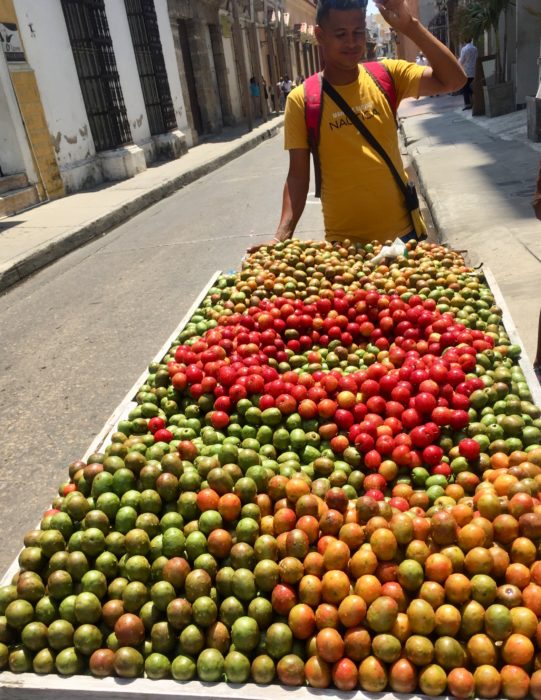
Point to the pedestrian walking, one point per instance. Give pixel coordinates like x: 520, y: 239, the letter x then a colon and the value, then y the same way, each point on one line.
x: 255, y: 96
x: 285, y: 88
x: 361, y: 196
x: 468, y: 60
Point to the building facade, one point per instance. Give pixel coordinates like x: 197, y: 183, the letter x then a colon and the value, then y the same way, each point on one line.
x: 96, y: 90
x: 519, y: 29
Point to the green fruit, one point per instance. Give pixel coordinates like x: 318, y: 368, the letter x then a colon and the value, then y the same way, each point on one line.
x: 210, y: 665
x: 245, y: 634
x: 183, y: 668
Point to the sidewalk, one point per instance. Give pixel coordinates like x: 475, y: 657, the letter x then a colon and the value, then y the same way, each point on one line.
x: 33, y: 239
x: 478, y: 176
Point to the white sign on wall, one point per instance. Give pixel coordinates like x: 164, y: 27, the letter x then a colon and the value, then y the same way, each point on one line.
x: 10, y: 41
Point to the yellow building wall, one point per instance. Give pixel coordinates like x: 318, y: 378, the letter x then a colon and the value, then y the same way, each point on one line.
x: 29, y: 101
x: 406, y: 48
x: 300, y: 11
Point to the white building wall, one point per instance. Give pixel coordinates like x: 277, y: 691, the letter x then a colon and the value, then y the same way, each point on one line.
x: 15, y: 155
x: 48, y: 52
x: 247, y: 53
x: 232, y: 79
x: 171, y: 65
x: 129, y: 77
x: 528, y: 36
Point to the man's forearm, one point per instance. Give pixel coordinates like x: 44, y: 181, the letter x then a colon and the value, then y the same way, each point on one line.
x: 294, y: 199
x: 537, y: 197
x: 445, y: 67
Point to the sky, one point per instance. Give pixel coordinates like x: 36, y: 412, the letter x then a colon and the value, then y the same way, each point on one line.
x: 371, y: 8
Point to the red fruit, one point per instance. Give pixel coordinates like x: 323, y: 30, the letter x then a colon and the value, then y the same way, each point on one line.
x: 219, y: 419
x: 343, y: 419
x: 459, y: 419
x: 155, y: 424
x: 364, y: 442
x: 372, y: 459
x: 326, y: 408
x: 375, y: 494
x: 410, y: 418
x: 420, y: 436
x: 307, y: 409
x: 374, y: 481
x: 194, y: 374
x: 344, y: 674
x: 432, y: 455
x: 163, y: 435
x: 223, y: 403
x: 442, y: 468
x: 469, y: 448
x: 399, y: 503
x: 187, y: 450
x: 129, y: 630
x: 286, y: 404
x: 227, y: 375
x: 283, y: 598
x: 425, y: 403
x: 441, y: 415
x: 179, y: 381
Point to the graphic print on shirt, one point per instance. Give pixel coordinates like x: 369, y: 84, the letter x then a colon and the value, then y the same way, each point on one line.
x: 365, y: 112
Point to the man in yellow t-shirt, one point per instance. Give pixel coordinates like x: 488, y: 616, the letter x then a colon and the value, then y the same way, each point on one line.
x: 360, y: 198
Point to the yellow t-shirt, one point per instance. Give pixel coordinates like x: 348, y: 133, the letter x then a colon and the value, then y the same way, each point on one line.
x: 360, y: 198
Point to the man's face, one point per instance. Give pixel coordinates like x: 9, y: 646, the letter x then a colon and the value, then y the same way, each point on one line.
x: 342, y: 37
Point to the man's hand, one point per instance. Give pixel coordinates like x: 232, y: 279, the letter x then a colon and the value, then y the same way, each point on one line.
x: 257, y: 246
x: 396, y: 13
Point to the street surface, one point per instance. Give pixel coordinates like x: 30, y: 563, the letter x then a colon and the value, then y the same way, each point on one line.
x: 77, y: 335
x: 479, y: 176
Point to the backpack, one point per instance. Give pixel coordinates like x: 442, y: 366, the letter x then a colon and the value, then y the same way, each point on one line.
x: 313, y: 94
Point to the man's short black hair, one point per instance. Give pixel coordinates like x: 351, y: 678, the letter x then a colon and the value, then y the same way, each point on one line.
x: 325, y: 6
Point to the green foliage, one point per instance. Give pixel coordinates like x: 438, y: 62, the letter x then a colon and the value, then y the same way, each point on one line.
x: 480, y: 16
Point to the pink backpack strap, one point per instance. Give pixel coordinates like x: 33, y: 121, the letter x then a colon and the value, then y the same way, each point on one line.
x: 384, y: 80
x: 313, y: 92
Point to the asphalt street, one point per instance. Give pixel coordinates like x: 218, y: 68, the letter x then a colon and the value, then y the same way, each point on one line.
x: 76, y: 335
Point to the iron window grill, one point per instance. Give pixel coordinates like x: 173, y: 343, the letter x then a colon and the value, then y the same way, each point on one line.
x: 95, y: 62
x: 145, y: 36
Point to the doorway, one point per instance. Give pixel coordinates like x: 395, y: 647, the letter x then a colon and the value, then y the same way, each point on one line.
x: 184, y: 34
x: 220, y: 68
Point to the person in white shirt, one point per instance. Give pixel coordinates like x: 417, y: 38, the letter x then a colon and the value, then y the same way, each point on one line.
x: 468, y: 60
x: 286, y: 85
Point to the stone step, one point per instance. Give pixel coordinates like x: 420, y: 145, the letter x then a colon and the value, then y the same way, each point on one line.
x: 16, y: 200
x: 13, y: 182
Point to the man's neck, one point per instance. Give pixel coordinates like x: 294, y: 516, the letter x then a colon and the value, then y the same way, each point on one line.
x: 338, y: 76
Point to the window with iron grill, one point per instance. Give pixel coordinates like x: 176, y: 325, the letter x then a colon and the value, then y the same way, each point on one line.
x: 95, y: 62
x: 145, y: 37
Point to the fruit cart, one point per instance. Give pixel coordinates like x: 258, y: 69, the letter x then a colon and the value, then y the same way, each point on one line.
x: 22, y: 686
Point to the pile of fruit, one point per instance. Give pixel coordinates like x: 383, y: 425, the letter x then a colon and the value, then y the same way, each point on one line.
x: 332, y: 478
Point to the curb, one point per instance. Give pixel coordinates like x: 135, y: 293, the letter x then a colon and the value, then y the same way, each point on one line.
x: 424, y: 190
x: 53, y: 250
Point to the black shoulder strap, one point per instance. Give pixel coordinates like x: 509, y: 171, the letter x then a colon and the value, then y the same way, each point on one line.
x: 407, y: 189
